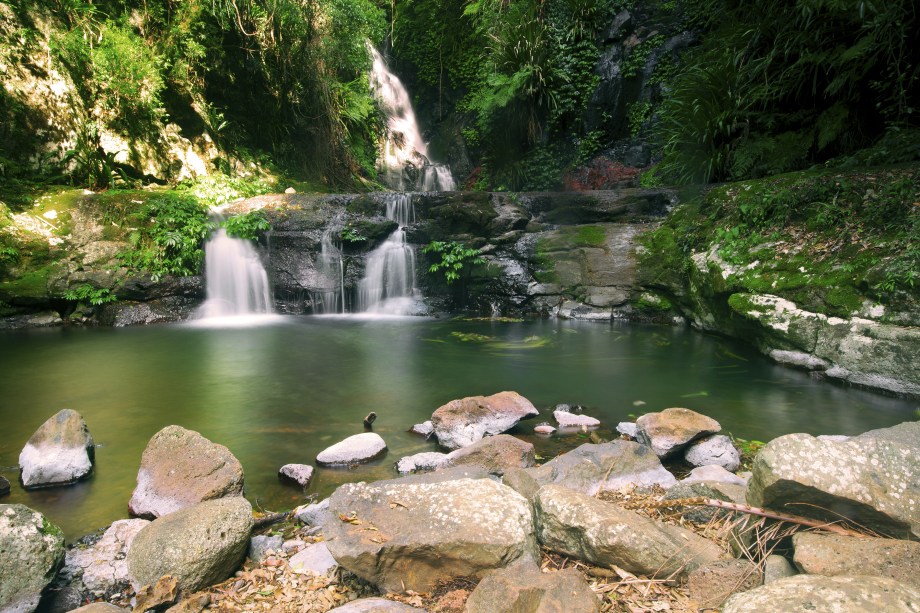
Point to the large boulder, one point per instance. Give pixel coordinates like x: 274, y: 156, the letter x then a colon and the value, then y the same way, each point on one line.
x: 60, y: 452
x: 602, y: 533
x: 714, y: 450
x: 522, y: 588
x: 462, y: 422
x: 808, y: 593
x: 409, y: 536
x: 101, y: 567
x: 355, y: 449
x: 199, y: 545
x: 179, y: 469
x: 609, y: 466
x: 31, y: 549
x: 832, y: 555
x: 673, y: 429
x: 872, y: 479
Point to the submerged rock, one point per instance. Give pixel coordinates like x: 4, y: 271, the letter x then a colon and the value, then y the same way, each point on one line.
x: 180, y: 468
x: 671, y: 430
x: 199, y: 545
x: 101, y: 568
x: 353, y: 450
x: 31, y: 549
x: 427, y: 532
x: 460, y: 423
x: 522, y: 588
x: 872, y: 479
x: 59, y: 453
x: 817, y: 593
x: 714, y: 450
x: 301, y: 474
x: 833, y: 555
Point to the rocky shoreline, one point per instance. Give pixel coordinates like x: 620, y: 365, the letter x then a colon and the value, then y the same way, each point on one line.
x: 663, y: 518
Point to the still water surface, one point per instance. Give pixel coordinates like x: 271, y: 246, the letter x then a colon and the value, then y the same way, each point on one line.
x: 281, y: 393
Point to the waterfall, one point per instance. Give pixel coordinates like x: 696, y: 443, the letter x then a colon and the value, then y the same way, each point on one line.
x: 236, y: 281
x: 388, y: 286
x: 404, y: 148
x: 332, y: 268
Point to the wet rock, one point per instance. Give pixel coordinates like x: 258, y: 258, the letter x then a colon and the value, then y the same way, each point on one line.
x: 425, y: 429
x: 671, y: 430
x: 427, y: 532
x: 628, y: 428
x: 777, y: 567
x: 460, y: 423
x: 522, y: 588
x: 609, y: 466
x: 199, y: 545
x: 315, y: 559
x: 101, y: 568
x: 495, y: 453
x: 31, y: 550
x: 427, y: 460
x: 60, y: 452
x: 711, y: 584
x: 714, y: 450
x: 355, y: 449
x: 301, y: 474
x: 375, y: 605
x: 602, y: 533
x: 4, y: 486
x: 872, y: 479
x: 315, y: 514
x: 714, y: 474
x: 837, y: 594
x: 574, y: 420
x: 833, y: 555
x: 180, y: 468
x: 260, y: 545
x: 159, y: 595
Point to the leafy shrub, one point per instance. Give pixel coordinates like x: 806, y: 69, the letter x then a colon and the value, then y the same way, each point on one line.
x: 454, y: 258
x: 88, y: 293
x: 248, y: 226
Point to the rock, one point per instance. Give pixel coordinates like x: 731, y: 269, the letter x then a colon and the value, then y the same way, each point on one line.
x: 193, y: 604
x: 714, y: 450
x: 628, y: 428
x: 671, y: 430
x: 609, y: 466
x: 260, y: 545
x: 180, y: 468
x: 442, y: 475
x: 31, y: 549
x: 834, y: 555
x: 522, y: 588
x: 315, y: 559
x: 521, y: 482
x: 200, y: 545
x: 100, y: 607
x: 61, y: 599
x: 315, y: 514
x: 157, y: 595
x: 697, y: 514
x: 427, y: 460
x: 355, y: 449
x: 602, y: 533
x: 838, y: 594
x: 101, y: 567
x: 4, y: 486
x: 462, y: 422
x: 711, y: 584
x: 428, y: 532
x: 495, y: 453
x: 290, y: 190
x: 292, y: 546
x: 375, y: 605
x: 714, y: 474
x: 574, y: 420
x: 777, y: 567
x: 872, y: 479
x: 544, y: 429
x: 425, y: 429
x: 60, y: 452
x: 301, y: 474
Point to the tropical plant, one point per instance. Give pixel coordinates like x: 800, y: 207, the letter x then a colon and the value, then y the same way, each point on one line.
x: 454, y: 259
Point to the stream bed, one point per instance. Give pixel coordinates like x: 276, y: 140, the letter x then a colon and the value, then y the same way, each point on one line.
x: 281, y: 392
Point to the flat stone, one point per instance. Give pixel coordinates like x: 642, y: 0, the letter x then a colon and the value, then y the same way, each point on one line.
x: 31, y: 548
x: 711, y: 584
x: 715, y: 474
x: 179, y: 469
x: 714, y: 450
x: 301, y: 474
x: 314, y: 558
x: 816, y: 593
x: 615, y: 465
x: 495, y: 453
x: 460, y: 423
x: 355, y: 449
x: 604, y: 534
x: 834, y: 555
x: 59, y: 453
x: 260, y: 545
x: 375, y: 605
x: 777, y: 567
x: 101, y: 567
x: 523, y: 588
x: 575, y: 420
x: 669, y: 431
x: 427, y: 460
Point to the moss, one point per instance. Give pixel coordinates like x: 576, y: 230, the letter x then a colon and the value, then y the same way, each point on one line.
x: 51, y: 529
x: 573, y: 237
x: 653, y: 302
x: 742, y: 304
x: 32, y: 284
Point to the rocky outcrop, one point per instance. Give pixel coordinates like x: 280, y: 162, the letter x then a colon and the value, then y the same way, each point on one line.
x: 872, y: 479
x: 834, y: 555
x: 101, y: 568
x: 671, y: 430
x: 714, y: 450
x: 522, y: 588
x: 460, y: 423
x: 602, y: 533
x: 60, y: 452
x: 355, y: 449
x: 31, y: 549
x: 815, y: 593
x: 408, y: 536
x: 199, y: 545
x: 180, y: 468
x: 609, y: 466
